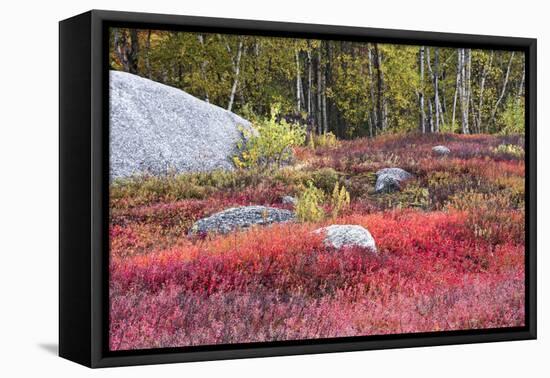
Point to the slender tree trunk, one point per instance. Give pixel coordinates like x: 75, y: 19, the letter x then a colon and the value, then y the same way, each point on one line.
x: 433, y: 107
x: 147, y: 55
x: 373, y: 118
x: 236, y: 71
x: 134, y: 55
x: 204, y: 63
x: 298, y: 82
x: 436, y: 90
x: 503, y: 91
x: 326, y: 78
x: 486, y: 69
x: 319, y: 92
x: 430, y: 117
x: 422, y: 119
x: 443, y: 98
x: 463, y: 94
x: 384, y: 119
x: 309, y: 120
x: 521, y: 86
x: 127, y: 49
x: 467, y: 88
x: 309, y: 81
x: 324, y: 104
x: 457, y: 87
x: 380, y: 103
x: 473, y: 125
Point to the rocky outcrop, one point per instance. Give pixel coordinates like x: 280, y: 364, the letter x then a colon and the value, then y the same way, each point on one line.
x: 390, y: 179
x: 156, y: 129
x: 238, y: 218
x: 441, y: 150
x: 344, y: 235
x: 289, y: 200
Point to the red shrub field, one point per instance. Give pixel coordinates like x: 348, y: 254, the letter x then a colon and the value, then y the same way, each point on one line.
x: 450, y: 248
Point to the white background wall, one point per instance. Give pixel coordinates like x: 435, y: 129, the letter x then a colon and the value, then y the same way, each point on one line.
x: 29, y: 174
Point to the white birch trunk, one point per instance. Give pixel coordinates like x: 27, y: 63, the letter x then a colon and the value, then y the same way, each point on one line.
x: 422, y: 120
x: 298, y: 89
x: 436, y: 90
x: 309, y: 81
x: 457, y: 87
x: 373, y: 117
x: 236, y: 71
x: 319, y: 89
x: 204, y: 63
x: 467, y: 89
x: 503, y: 91
x: 521, y: 86
x: 481, y: 89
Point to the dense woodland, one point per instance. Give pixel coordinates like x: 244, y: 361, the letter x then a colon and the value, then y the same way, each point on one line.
x: 351, y: 89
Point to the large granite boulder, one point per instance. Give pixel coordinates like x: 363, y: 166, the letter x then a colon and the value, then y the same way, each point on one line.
x: 345, y: 235
x: 156, y: 129
x: 390, y: 179
x: 243, y: 217
x: 441, y: 150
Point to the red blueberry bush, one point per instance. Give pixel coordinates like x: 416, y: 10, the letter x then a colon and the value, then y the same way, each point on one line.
x: 450, y: 250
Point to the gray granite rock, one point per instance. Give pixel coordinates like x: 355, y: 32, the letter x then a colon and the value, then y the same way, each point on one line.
x: 345, y: 235
x: 441, y: 150
x: 289, y: 200
x: 243, y: 217
x: 156, y: 129
x: 390, y: 179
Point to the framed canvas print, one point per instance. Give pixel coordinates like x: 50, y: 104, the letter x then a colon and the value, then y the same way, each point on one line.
x: 234, y: 188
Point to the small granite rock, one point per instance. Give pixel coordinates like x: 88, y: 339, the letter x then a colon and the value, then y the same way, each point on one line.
x: 441, y: 150
x: 289, y: 200
x: 242, y: 217
x: 344, y: 235
x: 390, y: 179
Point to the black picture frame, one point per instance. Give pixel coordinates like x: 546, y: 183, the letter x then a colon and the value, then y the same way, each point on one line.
x: 83, y: 195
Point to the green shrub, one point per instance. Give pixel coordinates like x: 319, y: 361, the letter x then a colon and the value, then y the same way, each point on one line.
x: 412, y: 196
x: 292, y: 177
x: 417, y: 196
x: 510, y: 149
x: 339, y: 200
x: 326, y: 140
x: 512, y: 118
x: 308, y: 208
x: 270, y: 145
x: 325, y: 179
x: 145, y: 189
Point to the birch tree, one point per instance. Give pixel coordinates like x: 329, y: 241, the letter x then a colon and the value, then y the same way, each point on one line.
x: 204, y: 64
x: 373, y: 117
x: 381, y: 108
x: 298, y: 82
x: 457, y: 86
x: 236, y: 70
x: 126, y: 46
x: 422, y: 119
x: 484, y: 73
x: 503, y: 90
x: 521, y: 86
x: 438, y: 110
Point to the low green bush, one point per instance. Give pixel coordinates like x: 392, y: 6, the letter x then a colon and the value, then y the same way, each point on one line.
x: 269, y: 144
x: 308, y: 208
x: 326, y: 140
x: 339, y: 200
x: 510, y: 150
x: 325, y: 179
x: 512, y: 119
